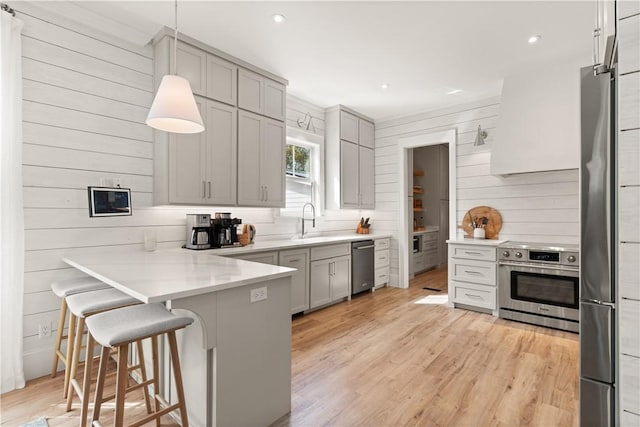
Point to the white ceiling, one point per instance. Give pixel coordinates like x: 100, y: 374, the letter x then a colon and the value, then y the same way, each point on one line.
x: 340, y: 52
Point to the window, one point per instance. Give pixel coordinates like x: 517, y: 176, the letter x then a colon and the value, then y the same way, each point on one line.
x: 298, y: 160
x: 303, y: 171
x: 299, y: 177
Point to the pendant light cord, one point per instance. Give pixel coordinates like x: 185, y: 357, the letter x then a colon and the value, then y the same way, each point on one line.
x: 175, y: 40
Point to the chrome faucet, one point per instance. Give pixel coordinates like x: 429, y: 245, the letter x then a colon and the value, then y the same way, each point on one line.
x: 313, y: 220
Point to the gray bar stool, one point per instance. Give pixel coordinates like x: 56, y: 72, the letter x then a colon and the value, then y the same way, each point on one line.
x: 62, y: 289
x: 82, y: 306
x: 119, y: 328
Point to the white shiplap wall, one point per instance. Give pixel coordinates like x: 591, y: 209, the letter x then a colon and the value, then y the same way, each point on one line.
x: 536, y: 207
x: 86, y: 95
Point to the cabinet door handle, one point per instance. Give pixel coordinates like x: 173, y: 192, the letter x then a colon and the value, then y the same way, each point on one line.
x: 295, y: 260
x: 382, y: 276
x: 596, y: 46
x: 477, y: 273
x: 204, y: 189
x: 209, y: 189
x: 472, y: 253
x: 473, y: 296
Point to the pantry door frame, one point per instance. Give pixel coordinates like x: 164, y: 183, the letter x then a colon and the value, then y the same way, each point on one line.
x: 448, y: 137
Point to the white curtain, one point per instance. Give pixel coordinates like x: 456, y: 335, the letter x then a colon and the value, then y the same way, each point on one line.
x: 11, y: 207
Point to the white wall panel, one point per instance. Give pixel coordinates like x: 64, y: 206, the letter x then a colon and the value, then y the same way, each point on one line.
x: 538, y: 207
x: 65, y: 58
x: 45, y: 176
x: 44, y: 93
x: 66, y: 158
x: 69, y: 79
x: 39, y: 134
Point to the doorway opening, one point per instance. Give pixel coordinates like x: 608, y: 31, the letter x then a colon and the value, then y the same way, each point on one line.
x: 444, y: 143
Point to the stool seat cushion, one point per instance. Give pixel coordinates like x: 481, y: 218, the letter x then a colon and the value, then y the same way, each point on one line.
x: 133, y: 323
x: 96, y: 301
x: 64, y: 288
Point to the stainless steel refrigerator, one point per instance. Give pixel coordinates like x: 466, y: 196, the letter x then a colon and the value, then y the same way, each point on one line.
x: 597, y: 249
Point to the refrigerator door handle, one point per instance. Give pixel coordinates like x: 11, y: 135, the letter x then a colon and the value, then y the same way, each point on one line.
x: 594, y: 301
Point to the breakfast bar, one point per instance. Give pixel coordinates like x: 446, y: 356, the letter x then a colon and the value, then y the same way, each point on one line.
x: 237, y: 356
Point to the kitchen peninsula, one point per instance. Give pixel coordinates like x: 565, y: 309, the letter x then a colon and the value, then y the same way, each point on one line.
x: 241, y: 338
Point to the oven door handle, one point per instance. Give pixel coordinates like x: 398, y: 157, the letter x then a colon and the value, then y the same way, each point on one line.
x: 539, y: 266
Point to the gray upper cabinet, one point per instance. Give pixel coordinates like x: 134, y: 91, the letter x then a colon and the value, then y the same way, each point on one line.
x: 208, y: 74
x: 348, y: 127
x: 188, y: 164
x: 349, y: 176
x: 366, y: 133
x: 366, y: 177
x: 192, y: 65
x: 196, y: 174
x: 212, y: 168
x: 250, y: 91
x: 349, y: 140
x: 260, y: 161
x: 261, y: 95
x: 222, y: 84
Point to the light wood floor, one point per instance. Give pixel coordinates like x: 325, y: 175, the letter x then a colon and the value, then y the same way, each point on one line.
x: 382, y: 360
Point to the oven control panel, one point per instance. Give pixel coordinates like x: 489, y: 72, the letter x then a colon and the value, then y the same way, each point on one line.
x: 539, y: 256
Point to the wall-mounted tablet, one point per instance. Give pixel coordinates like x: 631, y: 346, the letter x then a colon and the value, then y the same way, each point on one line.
x: 105, y: 201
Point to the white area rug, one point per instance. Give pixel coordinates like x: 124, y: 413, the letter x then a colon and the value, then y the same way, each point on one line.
x: 433, y: 299
x: 38, y: 422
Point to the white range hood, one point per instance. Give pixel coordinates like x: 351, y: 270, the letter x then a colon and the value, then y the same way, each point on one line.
x: 539, y: 123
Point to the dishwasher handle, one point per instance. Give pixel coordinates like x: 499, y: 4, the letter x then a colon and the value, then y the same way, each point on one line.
x: 365, y: 247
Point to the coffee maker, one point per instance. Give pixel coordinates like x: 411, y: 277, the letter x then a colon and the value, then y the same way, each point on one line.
x: 198, y: 231
x: 224, y: 230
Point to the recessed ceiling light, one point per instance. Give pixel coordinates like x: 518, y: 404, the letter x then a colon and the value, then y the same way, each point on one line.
x: 454, y: 91
x: 384, y: 85
x: 278, y: 18
x: 534, y: 39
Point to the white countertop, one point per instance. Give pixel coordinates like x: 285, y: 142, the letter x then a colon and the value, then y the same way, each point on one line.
x: 428, y: 229
x: 272, y: 245
x: 481, y: 242
x: 169, y: 274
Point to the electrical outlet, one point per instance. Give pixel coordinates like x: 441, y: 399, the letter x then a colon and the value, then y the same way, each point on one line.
x: 258, y: 294
x: 44, y: 330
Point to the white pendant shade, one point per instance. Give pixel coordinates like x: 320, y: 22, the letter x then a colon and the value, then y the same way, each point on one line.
x: 174, y: 108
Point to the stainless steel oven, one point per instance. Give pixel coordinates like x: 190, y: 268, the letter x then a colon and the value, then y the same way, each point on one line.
x: 539, y: 284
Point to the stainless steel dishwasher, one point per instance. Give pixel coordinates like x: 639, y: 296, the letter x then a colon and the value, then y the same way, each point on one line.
x: 362, y: 269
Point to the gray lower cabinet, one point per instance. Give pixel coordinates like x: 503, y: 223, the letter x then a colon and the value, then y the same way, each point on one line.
x: 263, y: 257
x: 330, y: 280
x: 298, y: 259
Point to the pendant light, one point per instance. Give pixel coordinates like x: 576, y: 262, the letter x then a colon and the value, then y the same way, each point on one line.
x: 174, y: 108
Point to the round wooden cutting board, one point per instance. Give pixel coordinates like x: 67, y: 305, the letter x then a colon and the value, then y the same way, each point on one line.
x: 494, y: 221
